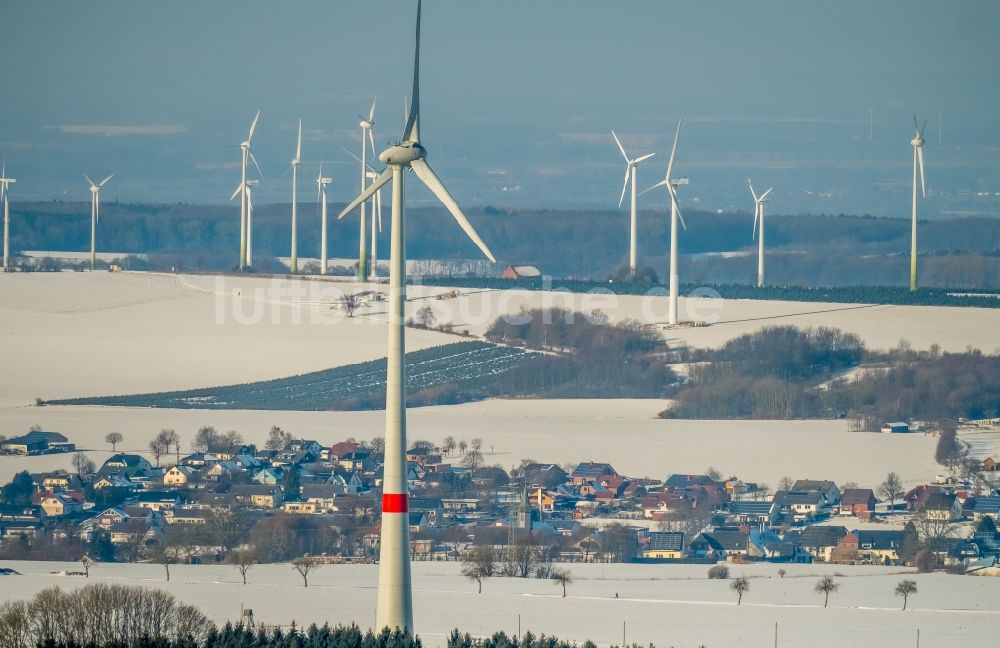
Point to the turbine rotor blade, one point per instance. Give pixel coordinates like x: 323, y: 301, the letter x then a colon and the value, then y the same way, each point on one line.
x: 253, y: 126
x: 105, y: 181
x: 378, y: 208
x: 752, y: 192
x: 89, y: 180
x: 351, y: 154
x: 371, y: 140
x: 661, y: 183
x: 642, y: 158
x: 621, y: 148
x: 920, y: 160
x: 676, y: 205
x: 250, y: 153
x: 298, y: 147
x: 673, y: 152
x: 764, y: 195
x: 756, y: 212
x: 367, y: 193
x: 427, y: 176
x: 411, y: 133
x: 239, y: 188
x: 624, y: 185
x: 371, y: 113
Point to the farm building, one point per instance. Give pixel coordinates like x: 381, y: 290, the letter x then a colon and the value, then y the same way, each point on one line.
x: 521, y: 272
x: 895, y: 428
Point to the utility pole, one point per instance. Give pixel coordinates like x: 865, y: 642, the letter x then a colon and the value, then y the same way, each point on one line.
x: 775, y: 634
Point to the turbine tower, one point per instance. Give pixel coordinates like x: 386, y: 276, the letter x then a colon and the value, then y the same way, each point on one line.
x: 293, y: 264
x: 918, y: 160
x: 366, y: 124
x: 376, y: 205
x: 671, y: 184
x: 758, y: 213
x: 395, y: 606
x: 5, y: 183
x: 95, y: 216
x: 321, y: 184
x: 245, y: 235
x: 630, y: 170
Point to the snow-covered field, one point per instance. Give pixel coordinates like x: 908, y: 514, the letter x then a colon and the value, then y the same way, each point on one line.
x: 625, y: 433
x: 663, y: 604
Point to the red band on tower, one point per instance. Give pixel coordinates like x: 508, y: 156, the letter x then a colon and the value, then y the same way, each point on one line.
x: 395, y: 503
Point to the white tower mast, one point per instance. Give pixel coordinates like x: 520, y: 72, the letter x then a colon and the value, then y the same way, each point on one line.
x: 395, y: 605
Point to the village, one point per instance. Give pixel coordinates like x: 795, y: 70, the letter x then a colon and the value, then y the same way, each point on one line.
x: 298, y: 498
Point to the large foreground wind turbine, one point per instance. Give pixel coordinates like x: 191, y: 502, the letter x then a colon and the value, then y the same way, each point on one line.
x: 321, y: 184
x: 630, y: 170
x: 245, y: 224
x: 95, y: 215
x: 5, y: 183
x: 395, y: 607
x: 758, y: 214
x: 675, y: 214
x: 367, y: 138
x: 293, y: 264
x: 918, y: 160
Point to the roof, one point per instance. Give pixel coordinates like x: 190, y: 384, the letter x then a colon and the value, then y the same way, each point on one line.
x: 813, y: 485
x: 878, y: 539
x: 728, y: 539
x: 49, y: 437
x: 666, y: 541
x: 987, y: 504
x: 852, y: 496
x: 789, y: 498
x: 762, y: 507
x: 939, y: 502
x: 593, y: 469
x: 685, y: 481
x: 822, y: 536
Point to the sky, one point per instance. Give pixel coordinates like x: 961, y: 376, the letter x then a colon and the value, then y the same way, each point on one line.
x: 518, y: 98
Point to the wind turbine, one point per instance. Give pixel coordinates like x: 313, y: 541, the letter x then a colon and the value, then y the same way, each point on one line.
x: 5, y: 183
x: 376, y: 205
x: 671, y: 184
x: 395, y: 607
x: 246, y: 258
x: 630, y: 170
x: 321, y: 184
x: 918, y: 159
x: 366, y: 138
x: 293, y: 264
x: 95, y: 216
x: 758, y: 213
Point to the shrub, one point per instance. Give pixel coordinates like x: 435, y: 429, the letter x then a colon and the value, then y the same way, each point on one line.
x: 719, y: 572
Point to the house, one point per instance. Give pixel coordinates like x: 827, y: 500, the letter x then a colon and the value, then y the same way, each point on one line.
x: 660, y: 504
x: 256, y: 495
x: 591, y: 471
x: 358, y: 459
x: 521, y: 272
x: 874, y: 547
x: 158, y: 500
x: 60, y: 504
x: 187, y: 515
x: 721, y: 543
x: 987, y: 506
x: 664, y: 545
x: 753, y: 513
x: 417, y: 521
x: 322, y: 496
x: 25, y: 445
x: 858, y: 502
x: 134, y: 531
x: 916, y: 496
x: 685, y: 482
x: 820, y: 541
x: 989, y: 465
x: 178, y: 476
x: 829, y: 490
x: 543, y: 474
x: 895, y: 428
x: 114, y: 480
x: 131, y: 465
x: 267, y: 476
x: 799, y: 506
x: 944, y: 507
x: 59, y: 480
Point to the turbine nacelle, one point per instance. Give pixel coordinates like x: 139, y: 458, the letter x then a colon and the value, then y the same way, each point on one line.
x: 403, y: 154
x: 917, y: 141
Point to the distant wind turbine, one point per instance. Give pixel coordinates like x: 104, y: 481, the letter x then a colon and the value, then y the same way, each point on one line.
x: 246, y: 258
x: 376, y: 221
x: 758, y: 213
x: 367, y: 123
x: 671, y: 184
x: 293, y: 264
x: 630, y: 172
x: 321, y: 183
x: 395, y: 605
x: 95, y: 215
x: 918, y: 160
x: 5, y: 183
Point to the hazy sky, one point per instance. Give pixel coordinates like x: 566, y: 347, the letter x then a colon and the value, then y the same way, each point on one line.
x: 518, y: 97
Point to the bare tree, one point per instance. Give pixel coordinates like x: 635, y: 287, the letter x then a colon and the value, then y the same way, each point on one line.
x: 377, y: 445
x: 479, y: 563
x: 826, y: 586
x: 741, y: 586
x: 476, y: 445
x: 425, y: 316
x: 905, y: 588
x: 561, y: 576
x: 713, y: 474
x: 277, y: 439
x: 781, y: 573
x: 472, y: 460
x: 166, y: 555
x: 304, y: 565
x: 891, y: 489
x: 786, y: 483
x: 462, y: 446
x: 87, y: 563
x: 349, y: 304
x: 244, y: 560
x: 83, y: 465
x: 114, y: 438
x: 157, y: 448
x: 763, y: 491
x: 448, y: 445
x: 171, y: 438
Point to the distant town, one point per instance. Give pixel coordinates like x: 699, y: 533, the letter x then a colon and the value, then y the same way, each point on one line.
x: 230, y: 501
